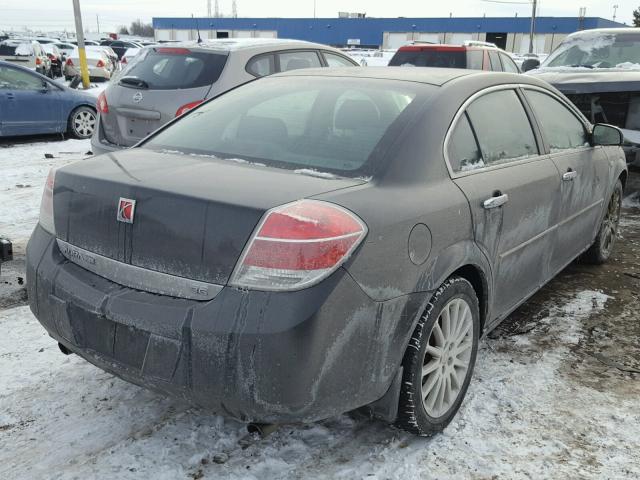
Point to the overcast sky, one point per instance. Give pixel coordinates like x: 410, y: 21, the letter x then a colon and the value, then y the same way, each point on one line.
x: 58, y: 14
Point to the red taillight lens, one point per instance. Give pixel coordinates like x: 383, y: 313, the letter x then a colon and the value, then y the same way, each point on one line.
x: 46, y: 205
x: 124, y: 60
x: 50, y: 55
x: 297, y: 245
x: 185, y: 108
x: 100, y: 64
x: 69, y: 62
x: 173, y: 50
x: 101, y: 104
x: 38, y: 61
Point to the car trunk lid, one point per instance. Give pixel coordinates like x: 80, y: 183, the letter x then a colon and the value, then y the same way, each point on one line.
x: 192, y: 215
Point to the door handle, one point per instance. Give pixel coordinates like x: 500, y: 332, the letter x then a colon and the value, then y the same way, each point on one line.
x: 10, y: 96
x: 569, y: 175
x: 497, y: 200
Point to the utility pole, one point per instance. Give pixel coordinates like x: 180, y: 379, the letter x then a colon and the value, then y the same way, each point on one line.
x: 615, y: 10
x: 84, y: 70
x: 533, y: 25
x: 216, y: 10
x: 209, y: 8
x: 314, y: 8
x: 234, y: 9
x: 98, y: 22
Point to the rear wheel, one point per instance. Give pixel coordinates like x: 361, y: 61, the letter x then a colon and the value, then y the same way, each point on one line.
x: 82, y: 122
x: 439, y: 360
x: 603, y: 245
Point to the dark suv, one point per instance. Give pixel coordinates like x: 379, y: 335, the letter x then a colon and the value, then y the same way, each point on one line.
x: 472, y: 55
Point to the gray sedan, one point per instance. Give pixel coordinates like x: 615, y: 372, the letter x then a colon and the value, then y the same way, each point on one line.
x: 323, y: 240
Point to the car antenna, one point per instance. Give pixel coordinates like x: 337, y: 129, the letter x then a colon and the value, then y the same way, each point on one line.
x: 197, y: 28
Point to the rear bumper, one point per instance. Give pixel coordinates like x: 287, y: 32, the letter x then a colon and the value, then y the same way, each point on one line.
x: 255, y: 356
x: 99, y: 144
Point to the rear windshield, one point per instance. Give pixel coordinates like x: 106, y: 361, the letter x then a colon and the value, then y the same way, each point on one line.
x: 325, y: 124
x: 429, y: 58
x: 174, y: 68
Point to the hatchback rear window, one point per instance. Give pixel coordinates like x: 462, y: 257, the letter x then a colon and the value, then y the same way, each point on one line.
x: 430, y: 58
x: 7, y: 50
x: 329, y: 124
x: 174, y: 68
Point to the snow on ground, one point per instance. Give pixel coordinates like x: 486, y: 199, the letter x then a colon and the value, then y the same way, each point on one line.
x: 525, y: 416
x: 24, y: 170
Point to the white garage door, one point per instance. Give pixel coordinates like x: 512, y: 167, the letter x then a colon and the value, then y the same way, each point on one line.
x: 396, y: 40
x: 267, y: 34
x: 428, y: 37
x: 538, y: 43
x: 243, y: 33
x: 459, y: 38
x: 181, y: 34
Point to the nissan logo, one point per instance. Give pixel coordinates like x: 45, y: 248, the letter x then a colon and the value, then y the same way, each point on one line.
x: 137, y: 97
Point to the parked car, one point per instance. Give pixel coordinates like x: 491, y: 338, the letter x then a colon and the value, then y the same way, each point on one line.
x: 56, y: 57
x: 471, y: 55
x: 33, y: 104
x: 120, y: 46
x: 28, y: 54
x: 330, y: 239
x: 165, y: 82
x: 129, y: 54
x: 599, y: 71
x: 98, y: 61
x: 86, y: 43
x: 66, y: 48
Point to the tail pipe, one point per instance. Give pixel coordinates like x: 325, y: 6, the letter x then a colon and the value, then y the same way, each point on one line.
x: 262, y: 429
x: 64, y: 349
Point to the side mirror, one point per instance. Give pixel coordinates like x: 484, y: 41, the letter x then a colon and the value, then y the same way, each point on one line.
x: 530, y: 64
x: 606, y: 135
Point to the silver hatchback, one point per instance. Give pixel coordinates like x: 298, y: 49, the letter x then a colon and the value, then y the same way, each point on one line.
x: 163, y: 82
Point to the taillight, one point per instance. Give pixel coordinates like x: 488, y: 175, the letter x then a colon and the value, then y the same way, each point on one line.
x: 124, y: 60
x: 50, y: 55
x: 185, y: 108
x: 69, y: 62
x: 38, y: 61
x: 298, y: 245
x: 46, y: 205
x: 101, y: 104
x: 100, y: 64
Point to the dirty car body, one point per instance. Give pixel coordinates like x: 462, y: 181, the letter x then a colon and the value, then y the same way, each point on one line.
x: 599, y: 71
x: 166, y: 264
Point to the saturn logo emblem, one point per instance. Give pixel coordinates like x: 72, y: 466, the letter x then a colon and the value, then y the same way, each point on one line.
x: 137, y: 97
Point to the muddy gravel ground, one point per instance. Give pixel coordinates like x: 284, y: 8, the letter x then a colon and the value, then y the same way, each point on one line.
x: 556, y: 394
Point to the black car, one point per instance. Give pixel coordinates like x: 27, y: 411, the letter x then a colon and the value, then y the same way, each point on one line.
x: 324, y: 239
x: 120, y: 46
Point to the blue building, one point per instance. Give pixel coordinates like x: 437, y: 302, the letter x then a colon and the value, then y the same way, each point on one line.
x: 510, y: 33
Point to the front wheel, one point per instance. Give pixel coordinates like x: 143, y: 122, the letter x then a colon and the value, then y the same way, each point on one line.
x: 439, y: 360
x: 602, y: 247
x: 82, y: 122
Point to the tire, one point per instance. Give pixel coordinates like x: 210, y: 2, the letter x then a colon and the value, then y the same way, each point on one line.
x: 82, y: 122
x: 420, y: 413
x: 602, y: 248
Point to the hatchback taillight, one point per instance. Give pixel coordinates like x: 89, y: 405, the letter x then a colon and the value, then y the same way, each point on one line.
x: 188, y: 106
x: 46, y: 205
x: 298, y: 245
x: 100, y: 64
x: 101, y: 104
x: 69, y: 62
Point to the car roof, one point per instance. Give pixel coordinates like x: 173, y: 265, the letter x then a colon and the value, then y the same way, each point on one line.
x: 235, y: 44
x: 427, y: 75
x: 604, y: 31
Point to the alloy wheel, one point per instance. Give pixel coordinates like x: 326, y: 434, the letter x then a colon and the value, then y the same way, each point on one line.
x: 610, y: 223
x: 84, y: 122
x: 447, y: 357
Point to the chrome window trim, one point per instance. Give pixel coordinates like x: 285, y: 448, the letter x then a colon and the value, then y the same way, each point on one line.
x: 534, y: 158
x: 138, y: 278
x: 454, y: 123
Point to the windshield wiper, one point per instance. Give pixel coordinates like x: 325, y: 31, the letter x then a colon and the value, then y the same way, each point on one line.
x: 134, y: 82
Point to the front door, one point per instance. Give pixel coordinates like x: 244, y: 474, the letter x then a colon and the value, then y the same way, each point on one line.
x: 583, y: 170
x: 513, y: 192
x: 28, y: 105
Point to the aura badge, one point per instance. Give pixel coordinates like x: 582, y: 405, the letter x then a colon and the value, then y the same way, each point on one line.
x: 126, y: 210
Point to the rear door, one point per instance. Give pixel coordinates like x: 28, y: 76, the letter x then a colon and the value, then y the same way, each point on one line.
x: 155, y: 88
x: 512, y: 189
x: 583, y: 169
